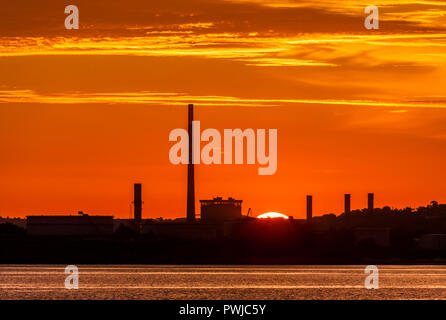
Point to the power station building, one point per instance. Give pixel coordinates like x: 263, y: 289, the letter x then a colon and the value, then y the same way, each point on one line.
x: 70, y: 225
x: 219, y: 217
x: 219, y: 210
x: 216, y: 218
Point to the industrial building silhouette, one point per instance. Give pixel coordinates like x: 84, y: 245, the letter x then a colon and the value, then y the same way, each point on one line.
x: 69, y: 225
x: 218, y: 217
x: 219, y: 210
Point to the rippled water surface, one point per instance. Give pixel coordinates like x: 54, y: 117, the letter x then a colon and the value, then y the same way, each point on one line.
x: 221, y: 282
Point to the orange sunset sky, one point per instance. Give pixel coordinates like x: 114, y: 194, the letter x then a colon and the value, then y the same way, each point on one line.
x: 86, y: 113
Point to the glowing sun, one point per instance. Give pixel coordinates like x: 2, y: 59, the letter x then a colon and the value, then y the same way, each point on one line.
x: 272, y: 215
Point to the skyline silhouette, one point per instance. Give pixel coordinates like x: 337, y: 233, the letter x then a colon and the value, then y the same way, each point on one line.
x: 85, y: 113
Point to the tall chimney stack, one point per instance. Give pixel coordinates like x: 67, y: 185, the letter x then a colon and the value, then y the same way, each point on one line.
x: 137, y: 202
x: 309, y: 208
x: 370, y: 202
x: 190, y: 170
x: 347, y: 198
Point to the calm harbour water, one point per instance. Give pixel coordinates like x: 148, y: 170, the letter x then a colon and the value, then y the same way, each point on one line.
x: 221, y: 282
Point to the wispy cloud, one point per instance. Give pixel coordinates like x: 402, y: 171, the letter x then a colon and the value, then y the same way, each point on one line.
x: 303, y: 50
x: 172, y: 99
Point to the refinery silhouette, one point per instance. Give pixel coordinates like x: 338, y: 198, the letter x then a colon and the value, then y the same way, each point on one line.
x: 216, y: 215
x: 222, y: 234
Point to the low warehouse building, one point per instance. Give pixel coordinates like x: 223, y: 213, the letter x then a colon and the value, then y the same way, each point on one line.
x: 378, y: 236
x: 432, y: 242
x: 78, y: 225
x: 181, y: 230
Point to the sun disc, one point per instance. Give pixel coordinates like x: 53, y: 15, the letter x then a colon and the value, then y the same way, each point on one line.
x: 272, y: 215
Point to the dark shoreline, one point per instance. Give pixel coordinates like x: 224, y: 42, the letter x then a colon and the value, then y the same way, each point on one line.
x: 382, y: 236
x: 167, y: 251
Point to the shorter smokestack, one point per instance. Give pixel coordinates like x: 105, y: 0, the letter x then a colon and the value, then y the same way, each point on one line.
x: 137, y: 202
x: 309, y: 208
x: 370, y: 202
x: 347, y: 198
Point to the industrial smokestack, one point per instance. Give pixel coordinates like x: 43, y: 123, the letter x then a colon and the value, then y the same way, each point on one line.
x: 347, y: 198
x: 370, y: 202
x: 190, y: 170
x: 309, y: 208
x: 137, y: 202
